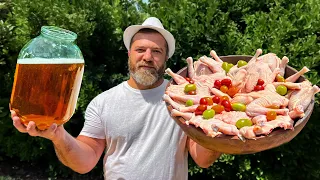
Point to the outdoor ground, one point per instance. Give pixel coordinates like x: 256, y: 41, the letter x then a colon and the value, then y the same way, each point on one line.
x: 15, y: 170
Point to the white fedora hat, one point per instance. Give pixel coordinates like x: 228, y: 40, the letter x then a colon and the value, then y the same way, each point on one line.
x: 151, y: 23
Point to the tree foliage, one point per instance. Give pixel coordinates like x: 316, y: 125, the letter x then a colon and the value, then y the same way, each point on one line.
x: 287, y: 28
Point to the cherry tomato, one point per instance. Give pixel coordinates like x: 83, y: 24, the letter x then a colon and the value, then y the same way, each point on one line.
x: 191, y: 81
x: 229, y: 66
x: 232, y: 91
x: 201, y: 108
x: 209, y: 113
x: 224, y: 98
x: 271, y: 115
x: 192, y: 92
x: 227, y: 109
x: 258, y: 88
x: 189, y: 102
x: 209, y: 101
x: 280, y: 78
x: 226, y: 82
x: 190, y: 87
x: 238, y: 107
x: 188, y: 79
x: 226, y: 104
x: 241, y: 63
x: 224, y: 66
x: 224, y: 89
x: 217, y: 84
x: 243, y: 122
x: 282, y: 90
x: 218, y: 108
x: 260, y: 82
x: 203, y: 101
x: 197, y: 112
x: 216, y: 99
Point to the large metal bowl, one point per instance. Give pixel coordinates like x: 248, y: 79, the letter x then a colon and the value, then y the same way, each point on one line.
x: 232, y: 144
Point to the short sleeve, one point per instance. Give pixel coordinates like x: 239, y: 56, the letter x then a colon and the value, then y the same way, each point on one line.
x: 93, y: 126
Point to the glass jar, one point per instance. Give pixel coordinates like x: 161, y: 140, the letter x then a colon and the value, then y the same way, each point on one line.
x: 47, y: 78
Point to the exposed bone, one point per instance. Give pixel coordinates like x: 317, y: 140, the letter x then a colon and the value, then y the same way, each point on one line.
x: 283, y: 65
x: 191, y: 72
x: 176, y: 77
x: 295, y: 77
x: 215, y: 56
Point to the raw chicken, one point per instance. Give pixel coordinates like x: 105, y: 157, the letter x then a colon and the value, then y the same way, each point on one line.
x: 250, y: 132
x: 205, y: 71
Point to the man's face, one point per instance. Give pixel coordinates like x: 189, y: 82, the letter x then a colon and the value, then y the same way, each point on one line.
x: 147, y: 57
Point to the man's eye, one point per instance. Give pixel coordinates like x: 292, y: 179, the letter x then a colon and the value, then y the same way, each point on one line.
x: 140, y: 50
x: 157, y: 51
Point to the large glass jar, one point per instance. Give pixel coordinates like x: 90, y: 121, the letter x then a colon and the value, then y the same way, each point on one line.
x: 47, y: 78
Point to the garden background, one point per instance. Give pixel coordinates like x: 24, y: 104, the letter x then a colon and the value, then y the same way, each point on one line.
x: 231, y: 27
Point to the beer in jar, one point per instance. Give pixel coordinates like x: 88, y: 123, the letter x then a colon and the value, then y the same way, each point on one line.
x: 47, y: 78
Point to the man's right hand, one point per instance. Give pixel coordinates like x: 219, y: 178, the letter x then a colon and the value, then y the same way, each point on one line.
x: 53, y: 133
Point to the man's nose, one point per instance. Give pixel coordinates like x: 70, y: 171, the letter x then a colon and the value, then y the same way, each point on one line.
x: 148, y: 55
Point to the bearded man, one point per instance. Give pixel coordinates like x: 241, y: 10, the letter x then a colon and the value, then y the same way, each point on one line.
x: 130, y: 121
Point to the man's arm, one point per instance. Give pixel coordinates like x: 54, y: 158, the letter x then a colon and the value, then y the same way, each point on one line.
x: 202, y: 157
x: 81, y: 154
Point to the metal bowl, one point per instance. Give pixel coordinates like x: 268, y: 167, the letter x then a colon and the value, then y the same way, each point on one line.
x: 232, y: 144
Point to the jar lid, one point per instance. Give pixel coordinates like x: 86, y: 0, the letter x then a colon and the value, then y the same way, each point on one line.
x: 58, y: 33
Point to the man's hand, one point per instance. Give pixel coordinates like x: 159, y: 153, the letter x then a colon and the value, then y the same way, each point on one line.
x: 53, y: 133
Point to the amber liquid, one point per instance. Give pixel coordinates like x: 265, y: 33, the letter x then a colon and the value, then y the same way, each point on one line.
x: 46, y: 93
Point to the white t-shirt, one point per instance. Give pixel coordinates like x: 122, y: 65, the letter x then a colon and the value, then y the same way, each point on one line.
x: 143, y: 141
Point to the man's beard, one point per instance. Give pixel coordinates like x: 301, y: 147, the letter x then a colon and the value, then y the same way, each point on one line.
x: 146, y: 77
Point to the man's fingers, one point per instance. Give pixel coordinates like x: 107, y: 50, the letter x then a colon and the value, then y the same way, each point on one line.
x: 48, y: 133
x: 18, y: 125
x: 13, y: 113
x: 32, y: 129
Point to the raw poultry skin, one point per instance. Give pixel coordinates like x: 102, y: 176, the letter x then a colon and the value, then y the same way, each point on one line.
x: 206, y: 71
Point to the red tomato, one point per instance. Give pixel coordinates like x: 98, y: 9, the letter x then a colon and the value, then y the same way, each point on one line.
x: 216, y: 99
x: 258, y: 88
x: 218, y: 108
x: 217, y: 84
x: 191, y: 82
x: 260, y: 82
x: 192, y: 92
x: 226, y: 82
x: 197, y: 112
x: 224, y: 89
x: 203, y: 101
x: 188, y: 79
x: 226, y: 104
x: 201, y: 108
x: 227, y: 109
x: 232, y: 91
x: 209, y: 101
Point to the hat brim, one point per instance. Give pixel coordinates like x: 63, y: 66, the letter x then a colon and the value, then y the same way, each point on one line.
x: 132, y: 30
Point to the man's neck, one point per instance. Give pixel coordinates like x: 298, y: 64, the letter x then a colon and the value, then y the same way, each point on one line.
x: 136, y: 85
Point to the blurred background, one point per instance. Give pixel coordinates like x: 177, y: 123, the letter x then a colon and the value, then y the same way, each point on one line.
x: 231, y: 27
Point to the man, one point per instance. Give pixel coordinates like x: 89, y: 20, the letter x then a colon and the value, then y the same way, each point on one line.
x: 130, y: 121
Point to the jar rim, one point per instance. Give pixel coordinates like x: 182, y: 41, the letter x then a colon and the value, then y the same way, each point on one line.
x: 59, y: 33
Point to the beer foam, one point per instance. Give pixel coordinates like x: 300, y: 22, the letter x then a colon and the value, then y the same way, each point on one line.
x: 49, y: 61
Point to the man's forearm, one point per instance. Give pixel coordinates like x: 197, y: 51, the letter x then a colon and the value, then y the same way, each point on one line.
x: 202, y: 157
x: 208, y: 156
x: 74, y: 154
